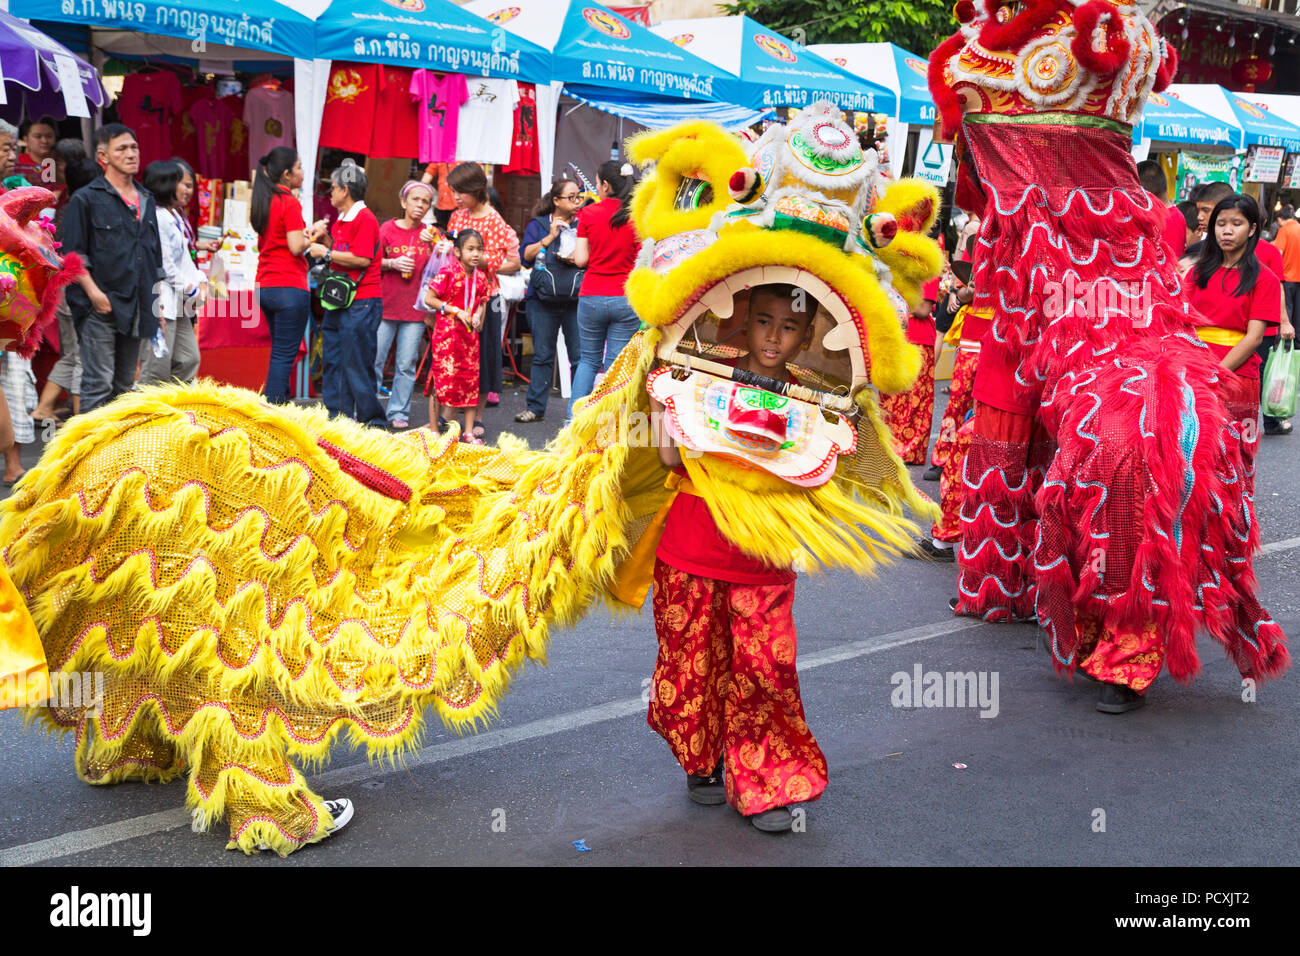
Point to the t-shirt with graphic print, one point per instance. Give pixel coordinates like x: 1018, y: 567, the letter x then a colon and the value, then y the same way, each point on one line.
x: 439, y: 98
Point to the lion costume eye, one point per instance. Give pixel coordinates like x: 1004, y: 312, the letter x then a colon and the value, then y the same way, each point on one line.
x: 693, y: 194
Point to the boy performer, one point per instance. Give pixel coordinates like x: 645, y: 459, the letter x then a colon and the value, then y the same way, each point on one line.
x: 725, y: 690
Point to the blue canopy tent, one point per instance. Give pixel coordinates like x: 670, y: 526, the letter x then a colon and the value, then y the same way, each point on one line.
x: 619, y: 66
x: 1169, y: 119
x: 772, y: 70
x: 272, y: 27
x: 1251, y: 124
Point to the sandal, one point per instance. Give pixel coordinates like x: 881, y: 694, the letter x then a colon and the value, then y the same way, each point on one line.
x: 528, y: 415
x: 471, y: 440
x: 479, y: 431
x: 1279, y: 428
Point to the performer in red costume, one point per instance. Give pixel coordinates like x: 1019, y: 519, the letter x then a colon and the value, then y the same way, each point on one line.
x: 1106, y: 488
x: 909, y: 414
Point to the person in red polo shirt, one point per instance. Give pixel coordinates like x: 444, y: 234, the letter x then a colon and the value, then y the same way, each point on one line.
x: 910, y: 414
x: 348, y: 335
x: 1234, y: 298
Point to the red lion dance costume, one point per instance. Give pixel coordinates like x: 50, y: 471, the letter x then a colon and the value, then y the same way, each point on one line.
x: 1107, y: 487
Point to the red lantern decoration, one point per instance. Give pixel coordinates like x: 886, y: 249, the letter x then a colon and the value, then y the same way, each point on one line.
x: 1251, y: 71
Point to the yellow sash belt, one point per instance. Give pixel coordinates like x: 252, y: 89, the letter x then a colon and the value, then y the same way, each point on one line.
x: 24, y: 677
x: 633, y: 577
x: 1217, y: 336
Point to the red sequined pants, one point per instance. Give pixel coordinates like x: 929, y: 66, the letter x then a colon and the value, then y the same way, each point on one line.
x: 725, y: 686
x: 910, y: 414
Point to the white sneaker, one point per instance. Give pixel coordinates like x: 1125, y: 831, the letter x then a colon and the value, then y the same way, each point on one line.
x: 340, y: 810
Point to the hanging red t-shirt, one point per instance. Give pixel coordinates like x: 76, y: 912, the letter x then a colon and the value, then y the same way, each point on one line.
x: 185, y: 141
x: 359, y: 236
x: 399, y: 294
x: 397, y: 118
x: 149, y: 104
x: 350, y: 103
x: 612, y: 249
x: 277, y: 267
x: 238, y: 165
x: 524, y: 154
x: 1216, y: 305
x: 923, y: 331
x: 212, y: 120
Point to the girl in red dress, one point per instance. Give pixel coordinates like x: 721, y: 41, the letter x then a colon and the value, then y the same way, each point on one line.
x: 458, y: 297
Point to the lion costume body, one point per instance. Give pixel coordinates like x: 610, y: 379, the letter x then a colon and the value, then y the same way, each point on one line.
x: 255, y: 582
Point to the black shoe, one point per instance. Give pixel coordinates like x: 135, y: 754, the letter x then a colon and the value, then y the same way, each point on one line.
x: 1080, y: 672
x: 1118, y: 699
x: 933, y: 473
x: 927, y: 548
x: 707, y: 791
x: 952, y: 605
x: 1277, y: 428
x: 776, y: 820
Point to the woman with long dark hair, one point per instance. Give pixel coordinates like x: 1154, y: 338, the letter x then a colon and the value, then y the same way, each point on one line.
x: 552, y: 299
x: 281, y: 270
x: 184, y: 286
x: 1233, y: 300
x: 607, y: 248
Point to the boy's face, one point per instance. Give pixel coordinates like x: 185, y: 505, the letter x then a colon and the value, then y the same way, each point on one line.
x: 775, y: 332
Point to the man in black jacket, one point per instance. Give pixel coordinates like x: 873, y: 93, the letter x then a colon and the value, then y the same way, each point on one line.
x: 112, y: 225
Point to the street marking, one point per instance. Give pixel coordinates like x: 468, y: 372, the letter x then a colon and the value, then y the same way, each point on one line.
x: 1286, y: 544
x: 82, y: 841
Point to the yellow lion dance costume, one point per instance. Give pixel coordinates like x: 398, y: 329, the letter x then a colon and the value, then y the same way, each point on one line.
x: 254, y: 582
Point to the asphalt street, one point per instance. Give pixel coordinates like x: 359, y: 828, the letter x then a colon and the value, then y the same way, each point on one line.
x: 570, y: 774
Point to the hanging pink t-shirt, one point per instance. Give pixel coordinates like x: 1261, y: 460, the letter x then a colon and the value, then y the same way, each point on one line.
x: 439, y: 100
x: 268, y: 114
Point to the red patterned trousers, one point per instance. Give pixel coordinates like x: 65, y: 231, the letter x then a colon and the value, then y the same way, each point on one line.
x: 910, y: 414
x: 725, y: 687
x: 1131, y: 658
x: 954, y: 441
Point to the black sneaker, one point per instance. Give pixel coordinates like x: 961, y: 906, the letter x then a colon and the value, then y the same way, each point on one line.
x: 707, y: 791
x: 1118, y: 699
x: 933, y: 473
x: 928, y: 549
x: 776, y: 820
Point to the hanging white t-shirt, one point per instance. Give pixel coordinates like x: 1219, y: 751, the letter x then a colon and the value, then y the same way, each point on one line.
x: 487, y: 121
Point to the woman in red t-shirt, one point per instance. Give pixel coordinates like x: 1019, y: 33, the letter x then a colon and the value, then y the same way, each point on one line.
x: 1234, y: 298
x: 281, y: 270
x: 348, y: 335
x: 607, y: 249
x: 407, y: 245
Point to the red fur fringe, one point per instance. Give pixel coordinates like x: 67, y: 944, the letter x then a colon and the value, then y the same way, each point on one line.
x: 1017, y: 31
x: 945, y: 99
x: 1086, y: 19
x: 54, y: 286
x: 1168, y: 67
